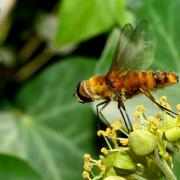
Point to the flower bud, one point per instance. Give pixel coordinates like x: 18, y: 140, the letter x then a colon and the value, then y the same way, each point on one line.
x: 173, y: 134
x: 142, y: 142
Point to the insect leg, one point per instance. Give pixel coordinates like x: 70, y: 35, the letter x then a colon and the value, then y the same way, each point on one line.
x: 99, y: 113
x: 151, y: 97
x: 121, y: 105
x: 168, y: 111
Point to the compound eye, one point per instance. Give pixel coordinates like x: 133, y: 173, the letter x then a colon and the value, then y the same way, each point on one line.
x: 83, y: 97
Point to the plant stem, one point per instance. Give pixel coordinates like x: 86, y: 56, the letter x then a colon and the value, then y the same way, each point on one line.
x: 29, y: 48
x: 164, y: 166
x: 109, y: 145
x: 35, y: 64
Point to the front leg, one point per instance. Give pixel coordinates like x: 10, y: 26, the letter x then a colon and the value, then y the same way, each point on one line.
x: 99, y: 112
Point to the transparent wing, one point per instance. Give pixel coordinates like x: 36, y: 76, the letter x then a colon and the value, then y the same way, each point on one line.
x: 135, y: 49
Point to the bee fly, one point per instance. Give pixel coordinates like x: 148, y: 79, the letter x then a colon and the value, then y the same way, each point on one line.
x: 127, y: 75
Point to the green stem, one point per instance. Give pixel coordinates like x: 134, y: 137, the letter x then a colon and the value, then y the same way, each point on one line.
x: 164, y: 167
x: 34, y: 65
x: 29, y: 48
x: 108, y: 143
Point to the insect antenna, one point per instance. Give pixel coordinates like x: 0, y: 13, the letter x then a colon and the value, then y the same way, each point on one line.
x: 152, y: 98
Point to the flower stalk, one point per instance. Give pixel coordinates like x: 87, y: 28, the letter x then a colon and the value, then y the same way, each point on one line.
x: 162, y: 164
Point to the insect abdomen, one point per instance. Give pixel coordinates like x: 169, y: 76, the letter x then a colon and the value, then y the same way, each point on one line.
x: 155, y: 80
x: 134, y: 81
x: 163, y: 79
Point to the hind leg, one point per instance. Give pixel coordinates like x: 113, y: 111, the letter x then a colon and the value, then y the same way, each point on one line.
x: 148, y: 94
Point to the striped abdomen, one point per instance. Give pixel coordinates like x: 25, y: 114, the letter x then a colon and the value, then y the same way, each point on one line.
x: 133, y: 81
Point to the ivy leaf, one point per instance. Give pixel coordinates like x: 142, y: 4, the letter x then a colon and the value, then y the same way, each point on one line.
x: 47, y: 126
x: 105, y: 61
x: 80, y: 20
x: 164, y: 19
x: 14, y: 168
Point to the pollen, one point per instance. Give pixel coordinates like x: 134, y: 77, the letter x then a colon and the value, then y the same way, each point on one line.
x: 137, y: 115
x: 163, y: 101
x: 99, y: 133
x: 108, y: 131
x: 124, y: 141
x: 104, y: 151
x: 100, y: 165
x: 104, y: 133
x: 116, y: 125
x: 87, y: 166
x: 154, y: 121
x: 164, y: 98
x: 178, y: 107
x: 87, y: 157
x: 85, y: 175
x: 141, y: 108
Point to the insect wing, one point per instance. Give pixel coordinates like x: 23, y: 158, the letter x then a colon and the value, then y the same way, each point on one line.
x: 123, y: 41
x: 135, y: 49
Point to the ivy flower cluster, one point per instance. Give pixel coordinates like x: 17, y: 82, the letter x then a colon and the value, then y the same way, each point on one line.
x: 145, y: 153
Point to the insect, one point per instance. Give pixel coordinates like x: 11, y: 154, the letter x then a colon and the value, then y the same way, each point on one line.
x: 128, y: 74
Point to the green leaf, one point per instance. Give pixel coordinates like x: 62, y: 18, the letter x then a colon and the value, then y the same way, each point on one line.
x: 111, y: 172
x: 173, y: 134
x: 80, y: 20
x: 13, y: 168
x: 47, y: 126
x: 105, y: 61
x: 119, y: 160
x: 164, y: 19
x: 176, y: 163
